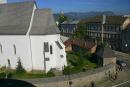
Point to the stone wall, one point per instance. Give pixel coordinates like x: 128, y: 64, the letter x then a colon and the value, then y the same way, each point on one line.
x: 107, y: 61
x: 78, y: 80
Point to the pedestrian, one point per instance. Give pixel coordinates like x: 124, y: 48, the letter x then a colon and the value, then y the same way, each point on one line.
x: 121, y: 68
x: 109, y: 75
x: 92, y: 84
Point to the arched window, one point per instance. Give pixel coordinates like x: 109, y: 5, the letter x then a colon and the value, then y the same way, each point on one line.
x: 14, y: 49
x: 9, y: 64
x: 51, y: 49
x: 1, y: 49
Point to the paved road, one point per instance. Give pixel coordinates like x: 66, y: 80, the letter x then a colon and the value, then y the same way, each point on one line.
x: 123, y: 75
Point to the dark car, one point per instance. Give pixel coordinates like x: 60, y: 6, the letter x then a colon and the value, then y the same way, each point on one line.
x: 121, y: 63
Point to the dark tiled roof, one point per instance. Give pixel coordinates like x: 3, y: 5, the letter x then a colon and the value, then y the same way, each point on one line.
x: 109, y: 20
x: 80, y: 43
x: 43, y: 23
x: 15, y: 18
x: 105, y: 52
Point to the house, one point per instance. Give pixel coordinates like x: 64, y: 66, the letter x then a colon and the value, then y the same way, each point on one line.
x: 68, y: 28
x: 106, y: 56
x: 108, y: 27
x: 31, y: 35
x: 79, y: 45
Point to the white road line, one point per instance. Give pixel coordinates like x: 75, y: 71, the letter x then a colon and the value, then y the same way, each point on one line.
x: 120, y: 84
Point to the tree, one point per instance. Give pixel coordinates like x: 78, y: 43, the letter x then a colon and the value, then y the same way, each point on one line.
x: 19, y: 68
x: 62, y: 18
x: 81, y: 31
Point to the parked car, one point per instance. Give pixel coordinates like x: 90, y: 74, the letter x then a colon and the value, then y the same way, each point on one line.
x: 121, y: 63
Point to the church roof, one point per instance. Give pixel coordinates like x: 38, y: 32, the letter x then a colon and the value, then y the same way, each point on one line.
x: 43, y: 23
x: 105, y: 52
x: 15, y: 19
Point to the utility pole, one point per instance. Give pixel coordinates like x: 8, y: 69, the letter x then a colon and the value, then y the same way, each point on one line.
x: 103, y: 22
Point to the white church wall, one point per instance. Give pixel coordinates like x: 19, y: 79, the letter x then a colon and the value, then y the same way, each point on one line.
x: 22, y: 48
x: 37, y: 44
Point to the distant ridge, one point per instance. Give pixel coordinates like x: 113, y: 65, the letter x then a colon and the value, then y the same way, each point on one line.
x: 82, y: 15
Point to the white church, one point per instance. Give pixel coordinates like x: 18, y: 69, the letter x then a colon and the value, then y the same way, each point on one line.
x: 31, y: 35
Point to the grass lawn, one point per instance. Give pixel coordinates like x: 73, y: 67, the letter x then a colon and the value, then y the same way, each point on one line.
x: 80, y: 61
x: 26, y: 75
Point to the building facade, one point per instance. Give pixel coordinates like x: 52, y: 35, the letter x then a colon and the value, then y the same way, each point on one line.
x: 68, y: 28
x: 126, y: 39
x: 111, y: 30
x: 30, y: 34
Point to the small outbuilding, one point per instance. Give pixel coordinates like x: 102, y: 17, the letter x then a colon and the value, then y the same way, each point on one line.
x: 79, y: 45
x: 106, y: 56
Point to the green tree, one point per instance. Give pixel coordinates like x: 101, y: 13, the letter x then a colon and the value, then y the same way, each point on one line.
x: 62, y: 18
x: 19, y: 68
x: 81, y: 31
x: 66, y: 70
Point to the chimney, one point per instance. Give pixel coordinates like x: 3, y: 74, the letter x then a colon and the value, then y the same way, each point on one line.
x: 103, y: 22
x: 3, y: 1
x: 104, y: 19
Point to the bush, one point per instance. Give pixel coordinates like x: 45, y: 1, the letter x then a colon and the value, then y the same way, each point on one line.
x: 2, y: 75
x: 66, y: 70
x: 50, y: 74
x: 19, y: 68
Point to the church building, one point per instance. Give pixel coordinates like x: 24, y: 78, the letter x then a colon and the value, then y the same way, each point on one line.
x: 29, y: 34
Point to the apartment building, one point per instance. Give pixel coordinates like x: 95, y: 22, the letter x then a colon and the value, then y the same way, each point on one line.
x: 108, y: 29
x: 68, y: 28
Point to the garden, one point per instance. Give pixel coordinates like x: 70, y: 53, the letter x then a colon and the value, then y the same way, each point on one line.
x: 80, y: 61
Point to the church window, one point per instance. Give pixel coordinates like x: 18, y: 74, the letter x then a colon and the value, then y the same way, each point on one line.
x: 51, y: 49
x: 14, y: 49
x: 46, y: 46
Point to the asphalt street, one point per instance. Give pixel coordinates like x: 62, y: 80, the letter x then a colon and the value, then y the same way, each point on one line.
x: 124, y: 75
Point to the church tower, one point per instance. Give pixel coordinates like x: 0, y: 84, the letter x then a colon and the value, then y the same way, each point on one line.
x: 3, y: 1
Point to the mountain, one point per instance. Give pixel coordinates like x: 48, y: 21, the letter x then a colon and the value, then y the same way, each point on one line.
x: 82, y: 15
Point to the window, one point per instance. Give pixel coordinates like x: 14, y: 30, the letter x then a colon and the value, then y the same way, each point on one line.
x: 46, y: 47
x: 118, y: 28
x: 61, y: 56
x: 14, y: 49
x: 9, y: 64
x: 47, y: 59
x: 51, y: 49
x: 1, y: 49
x: 58, y: 44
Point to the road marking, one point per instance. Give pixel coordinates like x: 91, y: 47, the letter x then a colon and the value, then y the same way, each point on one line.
x: 120, y: 84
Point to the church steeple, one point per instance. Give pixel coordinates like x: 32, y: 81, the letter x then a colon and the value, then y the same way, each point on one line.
x: 3, y: 1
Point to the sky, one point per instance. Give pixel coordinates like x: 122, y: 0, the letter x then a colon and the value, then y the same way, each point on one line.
x: 117, y: 6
